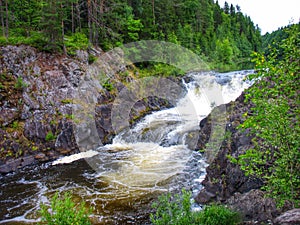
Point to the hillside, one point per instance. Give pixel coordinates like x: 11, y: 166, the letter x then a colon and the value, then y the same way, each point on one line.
x: 222, y: 35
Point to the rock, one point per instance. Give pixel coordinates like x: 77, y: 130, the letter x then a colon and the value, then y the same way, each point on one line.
x: 223, y: 178
x: 291, y: 217
x: 253, y: 206
x: 40, y: 156
x: 204, y: 196
x: 37, y: 121
x: 15, y: 164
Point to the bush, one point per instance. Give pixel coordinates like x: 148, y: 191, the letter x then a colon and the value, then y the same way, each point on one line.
x: 50, y: 136
x: 218, y: 215
x: 177, y: 211
x: 20, y: 84
x: 64, y: 212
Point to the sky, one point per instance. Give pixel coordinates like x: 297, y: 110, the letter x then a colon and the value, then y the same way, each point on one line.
x: 269, y: 14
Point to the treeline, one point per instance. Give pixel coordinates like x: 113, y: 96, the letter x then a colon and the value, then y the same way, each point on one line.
x: 221, y: 34
x: 271, y: 41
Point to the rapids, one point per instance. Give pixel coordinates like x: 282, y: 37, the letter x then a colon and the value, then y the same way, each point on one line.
x: 121, y: 180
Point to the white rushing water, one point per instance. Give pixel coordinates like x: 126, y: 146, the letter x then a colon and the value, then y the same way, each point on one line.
x: 154, y: 156
x: 157, y: 147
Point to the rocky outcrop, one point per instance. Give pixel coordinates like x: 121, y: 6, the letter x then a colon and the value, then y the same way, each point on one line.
x: 225, y: 182
x: 224, y: 178
x: 36, y: 92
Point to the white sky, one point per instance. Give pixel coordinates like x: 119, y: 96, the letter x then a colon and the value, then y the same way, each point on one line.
x: 268, y: 14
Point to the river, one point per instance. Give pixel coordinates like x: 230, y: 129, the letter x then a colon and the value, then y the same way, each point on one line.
x: 150, y: 158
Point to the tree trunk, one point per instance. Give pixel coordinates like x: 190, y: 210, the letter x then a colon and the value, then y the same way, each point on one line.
x: 72, y: 18
x: 2, y: 19
x: 153, y: 11
x: 63, y: 28
x: 78, y: 17
x: 90, y: 21
x: 7, y: 25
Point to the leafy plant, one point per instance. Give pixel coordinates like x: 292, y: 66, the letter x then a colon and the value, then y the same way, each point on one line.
x: 50, y: 136
x: 15, y: 125
x: 108, y: 85
x: 275, y: 121
x: 177, y: 211
x: 66, y: 101
x: 91, y: 58
x: 77, y: 41
x: 218, y: 215
x: 20, y: 84
x: 63, y: 211
x: 69, y: 116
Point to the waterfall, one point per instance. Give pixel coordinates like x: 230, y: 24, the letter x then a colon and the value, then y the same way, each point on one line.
x: 153, y: 156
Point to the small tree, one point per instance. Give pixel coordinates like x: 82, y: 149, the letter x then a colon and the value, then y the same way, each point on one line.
x: 274, y: 121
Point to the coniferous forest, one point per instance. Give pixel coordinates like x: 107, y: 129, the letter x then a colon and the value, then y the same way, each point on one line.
x: 222, y: 35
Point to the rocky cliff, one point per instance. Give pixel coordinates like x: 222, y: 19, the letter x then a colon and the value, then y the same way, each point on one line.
x: 36, y: 120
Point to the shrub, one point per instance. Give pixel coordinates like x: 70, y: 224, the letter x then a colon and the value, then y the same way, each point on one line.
x: 274, y: 121
x: 77, y: 41
x: 177, y: 211
x: 64, y: 212
x: 20, y: 84
x: 50, y: 136
x: 218, y: 215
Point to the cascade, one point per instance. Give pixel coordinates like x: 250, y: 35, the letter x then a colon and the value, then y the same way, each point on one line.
x: 148, y: 159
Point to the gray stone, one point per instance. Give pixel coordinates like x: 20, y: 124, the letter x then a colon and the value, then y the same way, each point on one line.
x: 291, y: 217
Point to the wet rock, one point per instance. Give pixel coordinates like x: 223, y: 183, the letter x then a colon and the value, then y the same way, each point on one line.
x: 204, y: 197
x: 15, y: 164
x: 291, y: 217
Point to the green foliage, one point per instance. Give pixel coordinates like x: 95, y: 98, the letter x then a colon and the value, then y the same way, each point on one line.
x: 218, y: 215
x: 77, y: 41
x: 108, y: 85
x: 15, y: 125
x: 63, y: 211
x: 177, y: 211
x: 224, y: 51
x: 20, y: 84
x: 66, y: 101
x: 69, y: 116
x: 91, y: 58
x: 160, y: 69
x: 50, y: 136
x: 275, y: 121
x: 223, y: 36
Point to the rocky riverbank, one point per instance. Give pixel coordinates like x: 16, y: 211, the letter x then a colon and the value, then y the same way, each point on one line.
x: 226, y: 183
x: 36, y: 90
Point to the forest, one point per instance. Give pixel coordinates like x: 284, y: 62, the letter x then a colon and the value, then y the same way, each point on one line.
x: 222, y: 35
